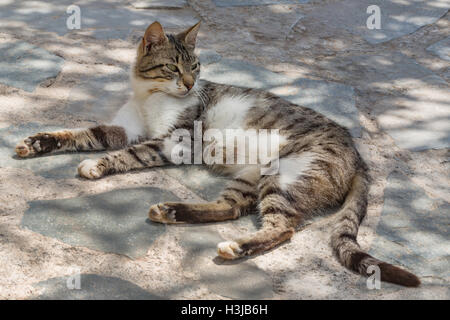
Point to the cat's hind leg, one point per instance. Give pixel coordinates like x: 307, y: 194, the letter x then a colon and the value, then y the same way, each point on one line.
x: 276, y: 229
x: 301, y: 189
x: 92, y: 139
x: 280, y: 215
x: 182, y: 212
x: 238, y: 198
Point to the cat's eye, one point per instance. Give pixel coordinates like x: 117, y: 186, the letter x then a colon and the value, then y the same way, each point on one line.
x: 195, y: 66
x: 172, y: 67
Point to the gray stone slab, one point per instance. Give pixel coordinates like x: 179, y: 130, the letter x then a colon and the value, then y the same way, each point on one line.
x: 334, y: 100
x: 24, y: 65
x: 158, y: 4
x: 414, y: 229
x: 199, y: 179
x: 383, y: 71
x: 124, y: 20
x: 99, y: 97
x: 209, y: 56
x: 56, y: 166
x: 240, y: 3
x: 100, y: 20
x: 418, y: 120
x: 398, y: 18
x: 240, y: 279
x: 92, y: 287
x: 114, y: 221
x: 441, y: 49
x: 244, y: 74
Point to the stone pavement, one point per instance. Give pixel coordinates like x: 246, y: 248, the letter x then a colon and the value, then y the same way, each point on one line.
x: 389, y: 86
x: 94, y: 287
x: 25, y: 66
x: 441, y: 49
x: 398, y: 18
x: 408, y: 208
x: 109, y: 222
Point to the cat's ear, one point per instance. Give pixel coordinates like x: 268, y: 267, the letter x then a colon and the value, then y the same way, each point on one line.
x: 154, y: 35
x: 190, y: 35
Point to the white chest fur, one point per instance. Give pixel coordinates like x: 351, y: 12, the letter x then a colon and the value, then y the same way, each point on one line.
x: 152, y: 116
x: 129, y: 118
x: 160, y: 112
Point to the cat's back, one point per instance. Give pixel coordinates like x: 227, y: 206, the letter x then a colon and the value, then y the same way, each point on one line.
x: 248, y: 108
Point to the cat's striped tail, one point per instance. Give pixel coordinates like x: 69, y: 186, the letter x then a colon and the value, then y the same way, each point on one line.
x: 343, y: 239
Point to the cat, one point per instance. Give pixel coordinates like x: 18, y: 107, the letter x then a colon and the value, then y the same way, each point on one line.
x: 319, y: 166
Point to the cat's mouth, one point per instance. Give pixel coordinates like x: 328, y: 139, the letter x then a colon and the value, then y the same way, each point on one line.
x: 185, y: 94
x: 177, y: 94
x: 182, y: 94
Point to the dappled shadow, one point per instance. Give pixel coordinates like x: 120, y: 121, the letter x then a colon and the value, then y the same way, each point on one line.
x: 241, y: 280
x: 243, y: 3
x: 419, y: 119
x: 99, y: 19
x: 416, y: 227
x: 25, y: 66
x: 92, y: 287
x: 56, y: 166
x: 93, y: 100
x: 398, y: 18
x: 199, y: 179
x: 416, y: 118
x: 110, y: 222
x: 92, y: 86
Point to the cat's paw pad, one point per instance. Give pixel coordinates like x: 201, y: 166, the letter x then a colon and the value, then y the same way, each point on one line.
x: 229, y: 250
x: 162, y: 213
x: 90, y: 169
x: 39, y: 143
x: 26, y: 149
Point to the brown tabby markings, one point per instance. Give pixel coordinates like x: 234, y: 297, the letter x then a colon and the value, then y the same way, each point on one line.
x: 328, y: 170
x: 97, y: 138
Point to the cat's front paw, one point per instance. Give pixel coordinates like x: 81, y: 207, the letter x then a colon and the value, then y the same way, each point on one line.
x: 90, y: 169
x: 25, y: 149
x: 37, y: 144
x: 162, y: 213
x: 229, y: 250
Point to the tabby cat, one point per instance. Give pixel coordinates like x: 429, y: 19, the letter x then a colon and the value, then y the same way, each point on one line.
x: 319, y: 166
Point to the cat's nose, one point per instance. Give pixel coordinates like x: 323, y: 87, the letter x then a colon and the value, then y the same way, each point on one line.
x: 188, y: 82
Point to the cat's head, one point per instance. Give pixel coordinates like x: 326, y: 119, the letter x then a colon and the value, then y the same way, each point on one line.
x: 167, y: 63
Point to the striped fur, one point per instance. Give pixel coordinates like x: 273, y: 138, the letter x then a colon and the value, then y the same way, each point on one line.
x: 319, y: 164
x: 97, y: 138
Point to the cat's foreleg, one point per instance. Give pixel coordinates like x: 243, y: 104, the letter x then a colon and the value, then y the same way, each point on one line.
x: 145, y: 155
x: 238, y: 198
x: 91, y: 139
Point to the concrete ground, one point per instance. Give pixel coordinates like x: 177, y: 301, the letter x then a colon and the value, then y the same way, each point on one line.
x: 62, y: 237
